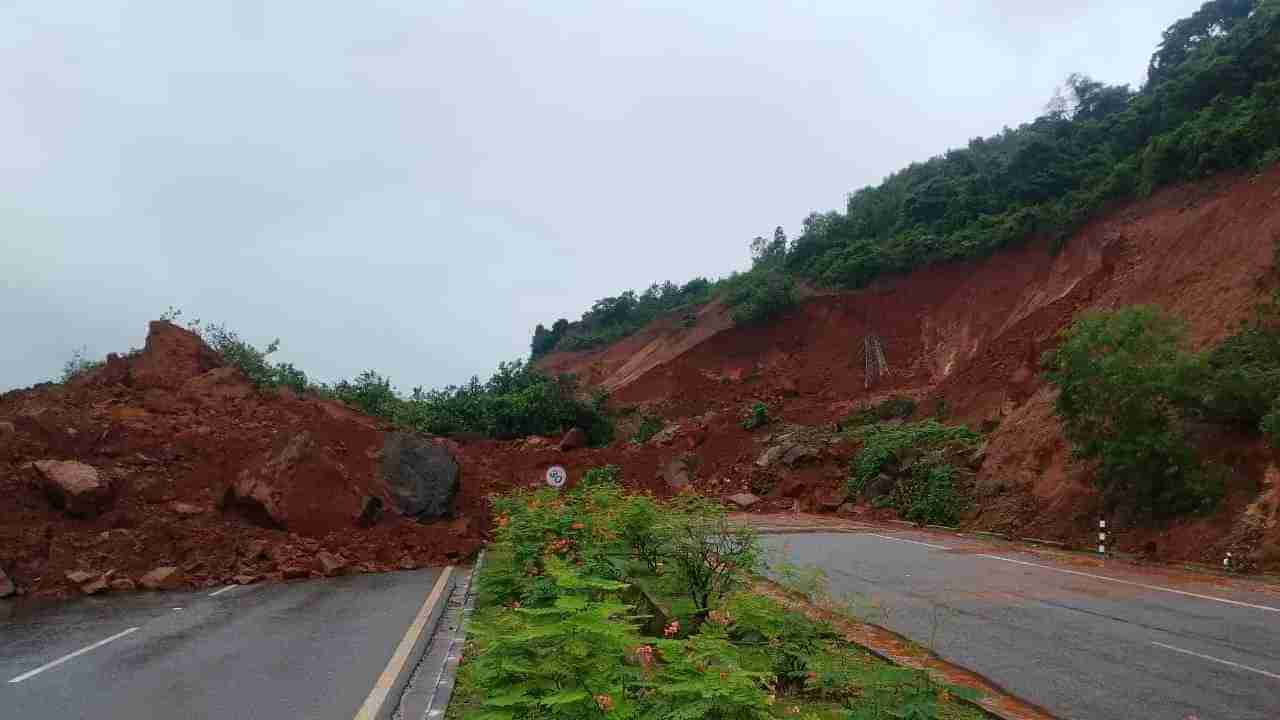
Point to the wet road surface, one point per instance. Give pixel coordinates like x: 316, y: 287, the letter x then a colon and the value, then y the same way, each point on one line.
x: 311, y: 649
x: 1083, y: 638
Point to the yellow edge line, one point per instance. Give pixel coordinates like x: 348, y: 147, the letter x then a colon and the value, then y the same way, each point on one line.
x: 381, y: 689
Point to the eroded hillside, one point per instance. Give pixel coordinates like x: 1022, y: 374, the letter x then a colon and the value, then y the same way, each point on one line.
x: 964, y: 339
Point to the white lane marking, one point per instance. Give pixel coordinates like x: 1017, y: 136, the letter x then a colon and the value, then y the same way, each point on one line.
x: 1217, y: 660
x: 913, y: 542
x: 228, y: 588
x: 1184, y: 593
x: 71, y: 656
x: 382, y: 689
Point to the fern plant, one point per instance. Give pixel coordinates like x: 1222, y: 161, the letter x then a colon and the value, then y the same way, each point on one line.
x: 562, y: 662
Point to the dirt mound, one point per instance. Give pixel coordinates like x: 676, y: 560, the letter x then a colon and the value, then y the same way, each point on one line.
x: 168, y: 459
x: 964, y: 340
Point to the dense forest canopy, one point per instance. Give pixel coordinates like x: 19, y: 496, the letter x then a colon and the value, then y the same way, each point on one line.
x: 1211, y: 102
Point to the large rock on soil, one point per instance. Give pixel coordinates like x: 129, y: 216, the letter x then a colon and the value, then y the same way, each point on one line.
x: 574, y: 439
x: 743, y: 500
x: 74, y: 486
x: 172, y: 356
x: 162, y: 578
x: 879, y: 486
x: 421, y: 475
x: 7, y: 588
x: 680, y: 471
x: 299, y: 485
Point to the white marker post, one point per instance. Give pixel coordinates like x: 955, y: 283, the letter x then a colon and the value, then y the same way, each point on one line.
x: 556, y: 477
x: 1102, y: 537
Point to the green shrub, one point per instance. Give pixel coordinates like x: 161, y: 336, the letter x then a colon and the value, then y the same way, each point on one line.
x: 929, y: 495
x: 896, y: 407
x: 702, y: 678
x: 250, y: 360
x: 562, y: 661
x: 516, y: 401
x: 644, y: 529
x: 757, y: 416
x: 788, y: 641
x: 710, y: 556
x: 883, y: 444
x: 1239, y: 378
x: 759, y: 295
x: 79, y: 364
x: 650, y: 425
x: 1122, y: 380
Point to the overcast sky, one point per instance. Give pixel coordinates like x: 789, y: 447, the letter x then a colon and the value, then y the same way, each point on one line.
x: 412, y: 186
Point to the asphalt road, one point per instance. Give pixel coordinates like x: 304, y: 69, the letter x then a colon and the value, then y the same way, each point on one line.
x: 1084, y: 639
x: 310, y: 649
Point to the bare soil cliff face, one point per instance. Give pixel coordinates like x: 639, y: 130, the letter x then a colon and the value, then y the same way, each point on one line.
x: 970, y: 335
x: 167, y: 459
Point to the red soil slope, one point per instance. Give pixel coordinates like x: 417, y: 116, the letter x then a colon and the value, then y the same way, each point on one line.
x: 971, y: 334
x: 170, y: 429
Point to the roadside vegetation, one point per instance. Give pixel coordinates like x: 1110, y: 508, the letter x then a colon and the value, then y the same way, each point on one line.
x: 917, y: 468
x: 1129, y: 390
x: 516, y: 401
x: 596, y: 603
x: 1211, y: 102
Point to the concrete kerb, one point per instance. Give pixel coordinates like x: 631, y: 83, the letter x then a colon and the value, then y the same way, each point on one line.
x: 384, y: 699
x: 431, y: 700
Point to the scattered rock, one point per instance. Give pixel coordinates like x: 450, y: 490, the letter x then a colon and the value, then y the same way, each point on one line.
x: 679, y: 472
x: 847, y: 509
x: 831, y: 499
x: 880, y: 486
x: 666, y: 435
x: 7, y: 429
x: 422, y: 476
x: 796, y: 454
x: 370, y: 512
x: 123, y: 585
x: 97, y: 585
x: 7, y: 588
x: 80, y: 577
x: 166, y: 577
x: 743, y: 500
x: 256, y: 550
x: 154, y: 489
x: 75, y: 487
x: 246, y: 579
x: 294, y: 572
x: 977, y: 457
x: 696, y: 436
x: 574, y: 439
x: 769, y: 456
x: 332, y: 564
x: 186, y: 509
x: 787, y: 386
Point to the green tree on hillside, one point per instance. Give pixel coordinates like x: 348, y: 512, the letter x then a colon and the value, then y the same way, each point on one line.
x: 1122, y: 382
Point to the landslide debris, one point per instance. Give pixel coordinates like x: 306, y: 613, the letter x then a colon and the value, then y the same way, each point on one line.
x: 168, y: 468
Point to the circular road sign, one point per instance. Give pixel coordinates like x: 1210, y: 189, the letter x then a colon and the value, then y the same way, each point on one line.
x: 556, y: 476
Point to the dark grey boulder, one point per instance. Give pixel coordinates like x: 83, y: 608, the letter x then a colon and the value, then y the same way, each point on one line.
x: 879, y: 486
x: 421, y: 475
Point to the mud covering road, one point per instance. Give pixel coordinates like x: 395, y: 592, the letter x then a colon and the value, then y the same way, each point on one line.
x: 311, y: 649
x: 1084, y: 639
